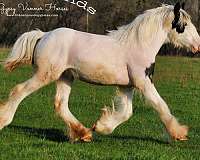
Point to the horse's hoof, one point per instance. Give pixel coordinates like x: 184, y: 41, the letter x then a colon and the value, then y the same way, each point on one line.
x: 182, y: 136
x: 182, y: 139
x: 80, y: 133
x: 87, y: 137
x: 177, y: 131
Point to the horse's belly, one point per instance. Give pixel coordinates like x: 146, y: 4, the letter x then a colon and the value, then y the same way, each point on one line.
x: 100, y: 74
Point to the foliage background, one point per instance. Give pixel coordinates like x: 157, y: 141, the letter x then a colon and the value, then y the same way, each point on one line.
x: 109, y: 14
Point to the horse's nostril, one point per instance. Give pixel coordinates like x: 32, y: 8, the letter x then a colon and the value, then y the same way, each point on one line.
x: 195, y: 49
x: 199, y: 48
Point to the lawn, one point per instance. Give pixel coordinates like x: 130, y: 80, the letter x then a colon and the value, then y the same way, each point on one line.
x: 37, y: 133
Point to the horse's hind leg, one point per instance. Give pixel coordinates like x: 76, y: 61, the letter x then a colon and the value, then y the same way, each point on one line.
x: 76, y: 130
x: 121, y: 112
x: 18, y: 93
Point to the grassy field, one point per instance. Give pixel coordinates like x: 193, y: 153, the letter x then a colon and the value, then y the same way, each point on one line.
x: 37, y: 133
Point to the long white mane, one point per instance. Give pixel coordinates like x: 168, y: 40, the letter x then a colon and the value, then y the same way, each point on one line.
x: 146, y: 26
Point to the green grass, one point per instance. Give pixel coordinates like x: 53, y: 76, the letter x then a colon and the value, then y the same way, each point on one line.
x: 37, y: 133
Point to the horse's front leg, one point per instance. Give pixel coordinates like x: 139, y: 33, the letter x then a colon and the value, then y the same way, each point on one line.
x: 119, y: 113
x: 177, y: 131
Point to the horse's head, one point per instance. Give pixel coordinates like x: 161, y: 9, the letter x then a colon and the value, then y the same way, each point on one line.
x: 182, y: 32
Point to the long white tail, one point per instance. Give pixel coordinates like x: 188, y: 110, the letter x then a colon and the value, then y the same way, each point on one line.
x: 22, y: 52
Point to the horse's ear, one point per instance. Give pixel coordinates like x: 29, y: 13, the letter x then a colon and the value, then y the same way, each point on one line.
x: 183, y: 5
x: 177, y: 8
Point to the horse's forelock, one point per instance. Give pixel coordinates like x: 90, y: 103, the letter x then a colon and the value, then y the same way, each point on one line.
x: 185, y: 16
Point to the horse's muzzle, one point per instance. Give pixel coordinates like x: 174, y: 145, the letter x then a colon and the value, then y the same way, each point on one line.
x: 195, y: 49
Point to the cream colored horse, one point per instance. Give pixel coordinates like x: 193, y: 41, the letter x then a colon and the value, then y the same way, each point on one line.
x: 125, y: 57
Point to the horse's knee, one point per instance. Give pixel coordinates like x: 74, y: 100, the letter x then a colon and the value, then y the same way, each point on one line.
x: 16, y: 90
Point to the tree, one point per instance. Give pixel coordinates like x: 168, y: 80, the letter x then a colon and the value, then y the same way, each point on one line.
x: 192, y: 6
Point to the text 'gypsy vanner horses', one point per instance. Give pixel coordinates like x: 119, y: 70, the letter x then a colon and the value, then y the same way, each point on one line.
x: 125, y: 58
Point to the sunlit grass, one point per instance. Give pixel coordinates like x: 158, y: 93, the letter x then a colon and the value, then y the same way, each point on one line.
x: 37, y: 133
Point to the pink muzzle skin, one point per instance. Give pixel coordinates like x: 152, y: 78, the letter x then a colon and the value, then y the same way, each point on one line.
x: 195, y: 49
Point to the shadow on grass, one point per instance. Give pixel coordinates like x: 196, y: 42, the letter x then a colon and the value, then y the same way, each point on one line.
x: 56, y: 135
x: 43, y: 133
x: 149, y: 139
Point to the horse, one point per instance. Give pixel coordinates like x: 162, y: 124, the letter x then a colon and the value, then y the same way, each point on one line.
x: 124, y: 58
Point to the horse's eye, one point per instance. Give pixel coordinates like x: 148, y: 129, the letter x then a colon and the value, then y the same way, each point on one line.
x: 185, y: 24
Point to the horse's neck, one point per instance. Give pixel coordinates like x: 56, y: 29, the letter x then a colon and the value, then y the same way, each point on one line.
x: 154, y: 47
x: 150, y: 49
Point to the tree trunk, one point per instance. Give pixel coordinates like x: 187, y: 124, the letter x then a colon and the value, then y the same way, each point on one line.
x: 192, y: 7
